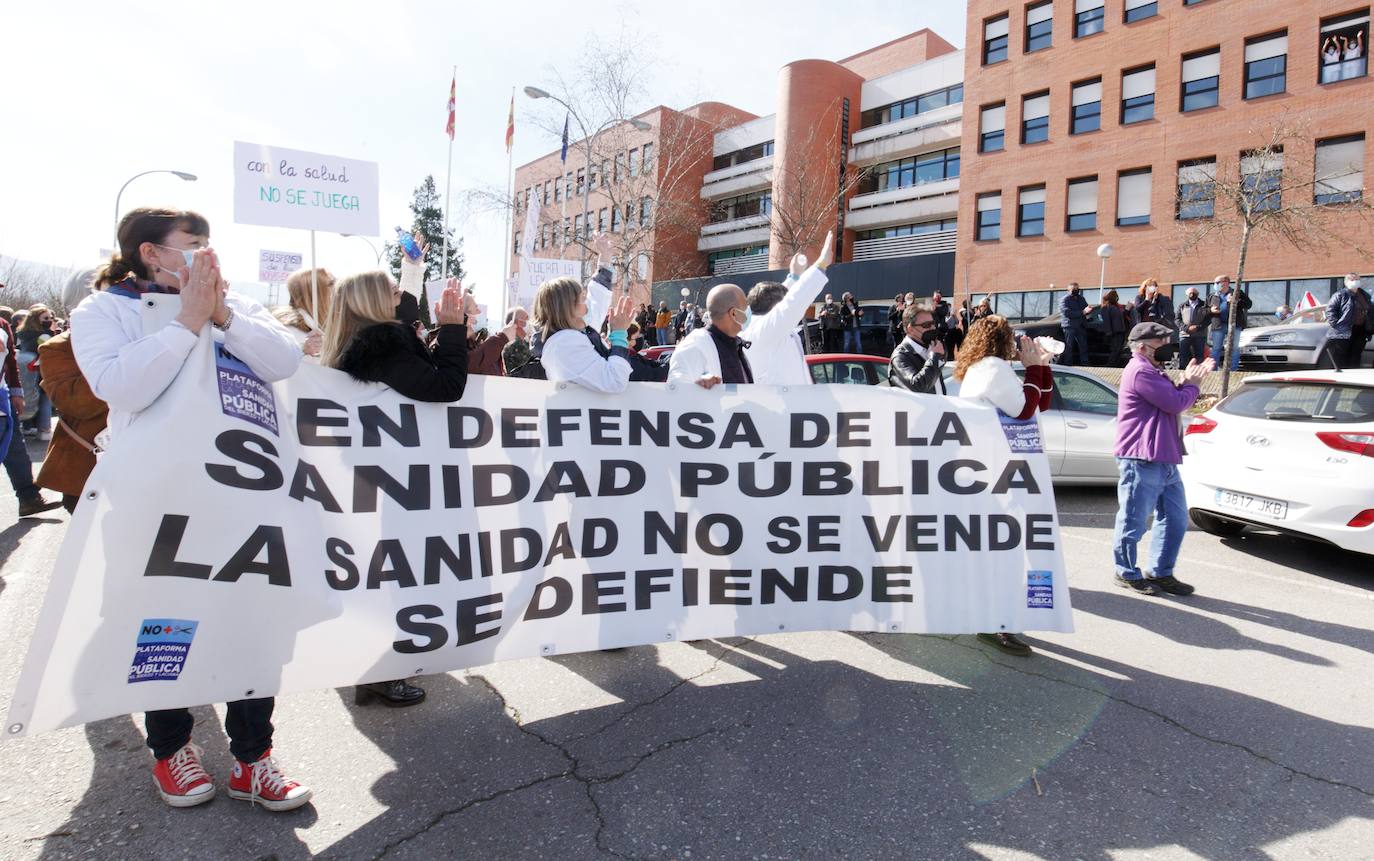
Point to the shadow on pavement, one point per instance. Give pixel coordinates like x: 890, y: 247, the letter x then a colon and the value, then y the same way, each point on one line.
x: 1314, y: 558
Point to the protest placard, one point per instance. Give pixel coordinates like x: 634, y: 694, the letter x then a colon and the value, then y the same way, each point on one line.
x: 278, y: 187
x: 274, y: 267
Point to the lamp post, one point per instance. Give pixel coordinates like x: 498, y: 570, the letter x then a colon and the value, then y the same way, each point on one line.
x: 1105, y: 252
x: 589, y: 141
x: 181, y: 174
x: 369, y: 244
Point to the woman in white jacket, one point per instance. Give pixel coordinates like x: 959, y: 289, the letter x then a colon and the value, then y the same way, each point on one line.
x: 985, y: 375
x: 560, y: 312
x: 167, y: 251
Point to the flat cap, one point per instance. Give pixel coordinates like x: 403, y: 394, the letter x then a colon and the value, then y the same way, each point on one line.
x: 1150, y: 331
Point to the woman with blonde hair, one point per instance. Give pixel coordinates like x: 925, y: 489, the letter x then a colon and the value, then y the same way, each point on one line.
x: 1151, y: 306
x: 299, y: 315
x: 985, y: 375
x: 560, y: 312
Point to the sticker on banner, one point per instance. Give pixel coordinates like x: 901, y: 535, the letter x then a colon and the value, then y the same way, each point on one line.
x: 242, y: 393
x: 1023, y: 436
x: 161, y: 650
x: 1040, y: 590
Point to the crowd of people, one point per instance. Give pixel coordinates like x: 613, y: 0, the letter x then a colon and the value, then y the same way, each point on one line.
x: 114, y: 361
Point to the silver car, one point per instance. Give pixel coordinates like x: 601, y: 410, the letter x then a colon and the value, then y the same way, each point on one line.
x: 1079, y: 427
x: 1298, y: 342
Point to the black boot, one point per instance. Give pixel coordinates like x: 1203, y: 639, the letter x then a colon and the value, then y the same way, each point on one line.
x: 397, y: 693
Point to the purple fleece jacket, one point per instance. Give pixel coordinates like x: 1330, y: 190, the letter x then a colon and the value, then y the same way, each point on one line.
x: 1147, y: 413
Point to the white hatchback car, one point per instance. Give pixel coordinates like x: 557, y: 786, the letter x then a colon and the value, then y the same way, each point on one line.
x: 1292, y: 452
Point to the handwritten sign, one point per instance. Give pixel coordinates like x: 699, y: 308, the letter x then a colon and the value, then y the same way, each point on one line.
x: 536, y: 270
x: 278, y: 187
x: 274, y: 267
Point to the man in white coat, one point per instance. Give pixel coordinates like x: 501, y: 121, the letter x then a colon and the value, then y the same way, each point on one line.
x: 715, y: 354
x: 775, y: 349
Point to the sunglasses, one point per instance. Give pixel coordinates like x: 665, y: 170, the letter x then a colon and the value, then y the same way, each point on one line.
x: 925, y: 325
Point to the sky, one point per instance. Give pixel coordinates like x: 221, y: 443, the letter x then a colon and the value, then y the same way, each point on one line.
x: 96, y: 92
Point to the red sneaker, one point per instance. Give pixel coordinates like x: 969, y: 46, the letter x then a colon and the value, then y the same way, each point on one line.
x: 182, y: 780
x: 263, y: 783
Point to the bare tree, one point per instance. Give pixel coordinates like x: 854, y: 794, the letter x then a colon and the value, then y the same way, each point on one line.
x: 27, y: 284
x: 1278, y: 192
x: 807, y: 198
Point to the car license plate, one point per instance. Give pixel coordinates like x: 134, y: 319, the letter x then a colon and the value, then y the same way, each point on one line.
x: 1274, y: 509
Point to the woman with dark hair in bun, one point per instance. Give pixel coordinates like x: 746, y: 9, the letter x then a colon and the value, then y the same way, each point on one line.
x: 129, y: 367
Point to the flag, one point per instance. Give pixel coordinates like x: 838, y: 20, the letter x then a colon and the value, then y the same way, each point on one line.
x: 452, y: 98
x: 531, y: 227
x: 510, y: 124
x: 1308, y: 303
x: 564, y: 156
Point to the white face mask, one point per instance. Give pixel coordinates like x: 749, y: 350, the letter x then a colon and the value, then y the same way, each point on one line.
x: 188, y: 256
x: 1352, y: 283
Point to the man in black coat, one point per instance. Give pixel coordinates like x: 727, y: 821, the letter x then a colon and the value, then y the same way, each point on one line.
x: 1073, y: 320
x: 917, y: 362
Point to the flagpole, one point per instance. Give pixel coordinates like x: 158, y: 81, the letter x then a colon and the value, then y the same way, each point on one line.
x: 510, y: 207
x: 448, y: 185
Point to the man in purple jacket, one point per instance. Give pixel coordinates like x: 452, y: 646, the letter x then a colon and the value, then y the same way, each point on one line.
x: 1149, y: 448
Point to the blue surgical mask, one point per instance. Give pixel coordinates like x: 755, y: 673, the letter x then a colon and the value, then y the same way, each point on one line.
x: 188, y: 256
x: 748, y: 317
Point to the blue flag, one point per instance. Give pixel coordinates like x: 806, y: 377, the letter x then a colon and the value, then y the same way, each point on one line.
x: 564, y: 155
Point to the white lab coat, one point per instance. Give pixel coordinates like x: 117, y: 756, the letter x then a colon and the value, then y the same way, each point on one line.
x: 569, y: 356
x: 775, y: 353
x: 695, y: 357
x: 129, y: 350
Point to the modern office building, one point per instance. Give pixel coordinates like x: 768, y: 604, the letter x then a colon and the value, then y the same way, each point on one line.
x: 1107, y: 121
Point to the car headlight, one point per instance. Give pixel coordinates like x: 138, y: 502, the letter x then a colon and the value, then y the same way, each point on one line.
x: 1284, y: 338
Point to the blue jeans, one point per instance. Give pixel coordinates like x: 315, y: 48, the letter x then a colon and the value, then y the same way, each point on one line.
x: 851, y: 341
x: 17, y: 462
x: 1146, y: 488
x: 1219, y: 341
x: 662, y: 336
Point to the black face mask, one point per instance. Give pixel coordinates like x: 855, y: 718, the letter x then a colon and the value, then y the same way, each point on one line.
x: 1165, y: 353
x: 928, y: 337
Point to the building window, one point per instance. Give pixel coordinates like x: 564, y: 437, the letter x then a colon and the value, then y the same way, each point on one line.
x: 992, y: 128
x: 515, y: 243
x: 634, y: 163
x: 743, y: 206
x: 646, y: 209
x: 913, y: 106
x: 546, y: 192
x: 989, y: 216
x: 581, y: 181
x: 557, y: 191
x: 914, y: 170
x: 995, y: 34
x: 619, y: 169
x: 1030, y: 212
x: 740, y: 156
x: 567, y: 231
x: 1261, y: 180
x: 648, y: 157
x: 1039, y: 26
x: 1201, y: 80
x: 567, y: 186
x: 1344, y: 48
x: 1197, y: 181
x: 616, y: 220
x: 543, y: 236
x: 1340, y: 170
x: 1133, y: 197
x: 1138, y: 96
x: 577, y: 226
x: 1087, y: 107
x: 605, y: 172
x: 730, y: 254
x: 1035, y: 118
x: 1266, y: 66
x: 1139, y: 10
x: 601, y: 220
x: 629, y: 215
x: 1082, y: 204
x: 1089, y: 17
x: 920, y: 228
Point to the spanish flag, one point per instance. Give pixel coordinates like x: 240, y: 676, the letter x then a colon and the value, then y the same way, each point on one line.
x: 452, y: 98
x: 510, y: 125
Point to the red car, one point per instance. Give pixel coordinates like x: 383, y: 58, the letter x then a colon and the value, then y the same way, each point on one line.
x: 848, y: 368
x: 653, y: 354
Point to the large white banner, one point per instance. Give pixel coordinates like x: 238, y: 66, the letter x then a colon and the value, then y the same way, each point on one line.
x: 279, y: 187
x: 243, y: 539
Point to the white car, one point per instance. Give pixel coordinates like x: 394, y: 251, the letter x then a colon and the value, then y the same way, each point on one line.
x: 1291, y: 451
x: 1079, y: 428
x: 1298, y: 342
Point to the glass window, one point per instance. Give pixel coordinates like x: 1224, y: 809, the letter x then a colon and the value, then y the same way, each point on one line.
x: 1087, y: 107
x: 1008, y: 305
x: 989, y: 216
x: 1035, y: 118
x: 1340, y: 170
x: 1133, y: 197
x: 646, y: 210
x: 1325, y: 402
x: 1139, y: 10
x: 1344, y: 48
x: 992, y: 123
x: 647, y: 157
x: 1039, y: 26
x: 601, y: 220
x: 1030, y: 213
x: 1266, y: 296
x: 1082, y: 204
x: 634, y: 162
x: 1201, y: 81
x: 1138, y: 95
x: 619, y: 166
x: 581, y: 180
x: 1082, y: 395
x: 1089, y: 17
x: 605, y: 172
x: 1266, y: 66
x: 995, y: 35
x: 1037, y: 304
x: 1196, y: 189
x: 577, y: 226
x: 1261, y: 178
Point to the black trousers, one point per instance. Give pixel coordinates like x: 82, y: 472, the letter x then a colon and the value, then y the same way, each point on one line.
x: 832, y: 340
x: 248, y: 723
x: 1354, y: 350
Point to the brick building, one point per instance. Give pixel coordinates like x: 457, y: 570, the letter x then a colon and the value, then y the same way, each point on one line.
x: 1086, y: 121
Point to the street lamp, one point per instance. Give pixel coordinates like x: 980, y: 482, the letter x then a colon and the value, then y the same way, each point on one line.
x: 369, y: 244
x: 1104, y: 251
x: 589, y: 140
x: 180, y: 174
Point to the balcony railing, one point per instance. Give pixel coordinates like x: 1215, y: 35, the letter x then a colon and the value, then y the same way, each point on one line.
x: 740, y: 265
x: 905, y: 246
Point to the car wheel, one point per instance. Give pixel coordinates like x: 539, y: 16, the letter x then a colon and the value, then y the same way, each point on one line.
x: 1215, y: 525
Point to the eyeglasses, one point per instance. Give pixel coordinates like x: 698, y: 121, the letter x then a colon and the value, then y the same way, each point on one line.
x: 926, y: 325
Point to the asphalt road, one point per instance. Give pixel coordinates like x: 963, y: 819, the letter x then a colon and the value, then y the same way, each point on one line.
x: 1235, y: 724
